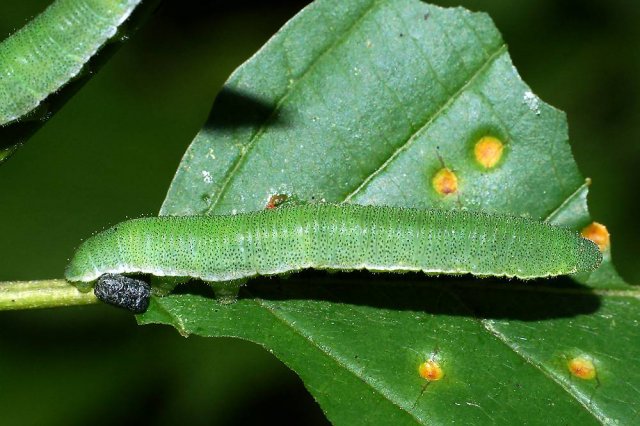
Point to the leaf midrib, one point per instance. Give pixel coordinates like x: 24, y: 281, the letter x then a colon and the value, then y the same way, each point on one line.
x: 345, y: 366
x: 486, y: 326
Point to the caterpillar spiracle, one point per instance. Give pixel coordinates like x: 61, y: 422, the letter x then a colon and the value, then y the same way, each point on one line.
x: 226, y: 248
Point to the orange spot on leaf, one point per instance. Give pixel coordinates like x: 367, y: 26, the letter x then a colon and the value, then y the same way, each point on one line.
x: 488, y: 151
x: 275, y: 200
x: 582, y: 368
x: 445, y: 182
x: 430, y: 370
x: 597, y: 233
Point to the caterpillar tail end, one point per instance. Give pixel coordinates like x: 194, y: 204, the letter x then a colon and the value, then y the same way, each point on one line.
x: 589, y: 256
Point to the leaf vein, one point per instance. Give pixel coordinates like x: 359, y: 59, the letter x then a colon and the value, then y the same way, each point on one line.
x: 594, y: 411
x: 411, y: 139
x: 340, y: 363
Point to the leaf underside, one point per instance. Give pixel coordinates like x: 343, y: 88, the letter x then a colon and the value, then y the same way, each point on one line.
x: 364, y: 101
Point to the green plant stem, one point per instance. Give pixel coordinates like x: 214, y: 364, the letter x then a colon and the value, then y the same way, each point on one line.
x: 16, y: 295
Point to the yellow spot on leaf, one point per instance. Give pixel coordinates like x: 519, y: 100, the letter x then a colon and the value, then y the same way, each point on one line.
x: 582, y: 368
x: 445, y: 182
x: 430, y: 370
x: 597, y: 233
x: 488, y: 151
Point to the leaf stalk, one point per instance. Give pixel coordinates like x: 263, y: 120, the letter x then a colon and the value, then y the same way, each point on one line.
x: 15, y: 295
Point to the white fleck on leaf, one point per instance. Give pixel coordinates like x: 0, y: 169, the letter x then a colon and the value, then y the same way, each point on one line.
x: 206, y: 176
x: 532, y: 101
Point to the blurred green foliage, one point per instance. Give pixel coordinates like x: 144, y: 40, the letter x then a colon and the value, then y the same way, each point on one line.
x: 81, y: 173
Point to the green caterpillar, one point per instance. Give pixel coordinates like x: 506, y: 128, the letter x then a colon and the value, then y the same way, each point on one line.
x: 228, y: 248
x: 52, y: 49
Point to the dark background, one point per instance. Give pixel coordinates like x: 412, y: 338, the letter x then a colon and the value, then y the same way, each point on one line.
x: 113, y: 149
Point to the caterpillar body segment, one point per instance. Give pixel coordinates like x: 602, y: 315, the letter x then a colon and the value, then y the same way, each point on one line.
x: 328, y: 236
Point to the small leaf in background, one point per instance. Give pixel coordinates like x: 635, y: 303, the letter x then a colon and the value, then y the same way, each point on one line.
x: 58, y: 48
x: 407, y: 104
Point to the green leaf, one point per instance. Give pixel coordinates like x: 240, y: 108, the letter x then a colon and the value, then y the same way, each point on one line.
x: 60, y: 48
x: 365, y: 101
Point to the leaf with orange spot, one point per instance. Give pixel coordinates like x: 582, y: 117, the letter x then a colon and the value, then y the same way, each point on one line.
x: 363, y: 101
